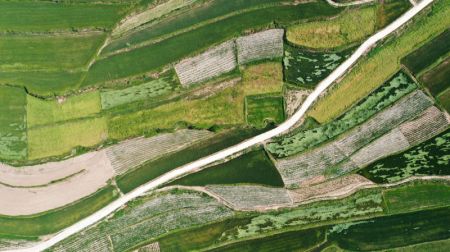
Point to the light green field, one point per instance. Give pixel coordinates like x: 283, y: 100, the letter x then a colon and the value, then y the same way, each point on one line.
x: 13, y: 135
x: 148, y: 90
x: 381, y: 63
x: 51, y: 16
x: 42, y: 83
x: 336, y: 32
x: 60, y: 139
x: 21, y: 52
x: 224, y: 108
x: 42, y: 112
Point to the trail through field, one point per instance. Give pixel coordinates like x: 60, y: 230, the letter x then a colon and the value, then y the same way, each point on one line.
x: 335, y: 75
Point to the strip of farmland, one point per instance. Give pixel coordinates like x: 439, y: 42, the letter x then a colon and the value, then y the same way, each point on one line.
x: 262, y: 45
x: 436, y: 79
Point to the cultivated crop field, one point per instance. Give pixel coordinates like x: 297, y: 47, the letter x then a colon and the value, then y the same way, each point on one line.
x: 337, y: 32
x: 428, y: 158
x: 262, y: 110
x: 444, y: 99
x: 381, y: 63
x: 398, y: 86
x: 13, y: 136
x: 428, y: 54
x: 436, y: 79
x: 306, y: 68
x: 254, y: 167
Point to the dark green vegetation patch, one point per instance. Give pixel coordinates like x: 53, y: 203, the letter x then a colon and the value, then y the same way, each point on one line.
x: 394, y: 231
x: 254, y: 167
x: 32, y: 226
x: 153, y: 169
x: 13, y: 136
x: 395, y: 88
x: 264, y: 109
x: 428, y: 158
x: 307, y: 68
x: 170, y: 50
x: 428, y: 53
x: 438, y: 78
x: 444, y: 99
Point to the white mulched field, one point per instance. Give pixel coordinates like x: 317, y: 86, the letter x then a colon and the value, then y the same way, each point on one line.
x: 262, y: 45
x: 212, y: 63
x: 131, y: 153
x: 150, y: 217
x: 249, y: 197
x: 152, y: 247
x: 389, y: 143
x: 430, y: 123
x: 408, y: 107
x: 304, y: 166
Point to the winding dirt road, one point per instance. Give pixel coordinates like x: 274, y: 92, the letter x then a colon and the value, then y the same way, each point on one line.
x: 337, y: 73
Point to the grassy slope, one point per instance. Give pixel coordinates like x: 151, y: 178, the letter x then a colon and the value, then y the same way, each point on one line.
x: 253, y: 167
x: 336, y: 32
x: 224, y: 108
x: 263, y: 109
x: 381, y: 63
x: 42, y: 112
x: 59, y: 139
x: 47, y: 16
x: 55, y: 220
x: 43, y: 52
x: 170, y: 50
x: 12, y: 123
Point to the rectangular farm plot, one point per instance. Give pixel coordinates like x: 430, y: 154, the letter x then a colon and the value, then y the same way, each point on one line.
x: 61, y: 139
x: 44, y: 112
x: 438, y: 78
x: 13, y: 126
x: 148, y: 90
x: 262, y: 109
x: 48, y: 52
x: 444, y: 99
x: 262, y: 45
x: 429, y: 53
x: 212, y: 63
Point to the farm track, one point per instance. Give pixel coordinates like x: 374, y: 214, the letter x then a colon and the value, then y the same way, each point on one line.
x: 335, y: 75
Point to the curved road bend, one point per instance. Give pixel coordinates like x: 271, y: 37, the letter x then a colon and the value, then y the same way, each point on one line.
x: 338, y: 72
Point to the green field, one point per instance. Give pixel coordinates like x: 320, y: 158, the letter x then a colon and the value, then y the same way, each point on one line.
x: 307, y: 68
x: 336, y: 32
x: 254, y: 167
x: 224, y: 108
x: 43, y: 112
x: 19, y: 16
x: 13, y: 134
x: 153, y: 169
x: 394, y: 231
x: 434, y: 246
x: 162, y: 53
x: 201, y: 14
x: 21, y: 52
x: 427, y: 158
x: 390, y: 10
x: 438, y: 78
x: 61, y: 139
x: 428, y: 54
x: 301, y: 140
x: 145, y: 91
x: 30, y: 227
x: 417, y: 196
x: 42, y: 83
x: 302, y: 240
x: 262, y: 110
x: 444, y: 99
x: 381, y: 63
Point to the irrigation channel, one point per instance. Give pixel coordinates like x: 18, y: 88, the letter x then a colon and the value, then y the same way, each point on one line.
x: 323, y: 85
